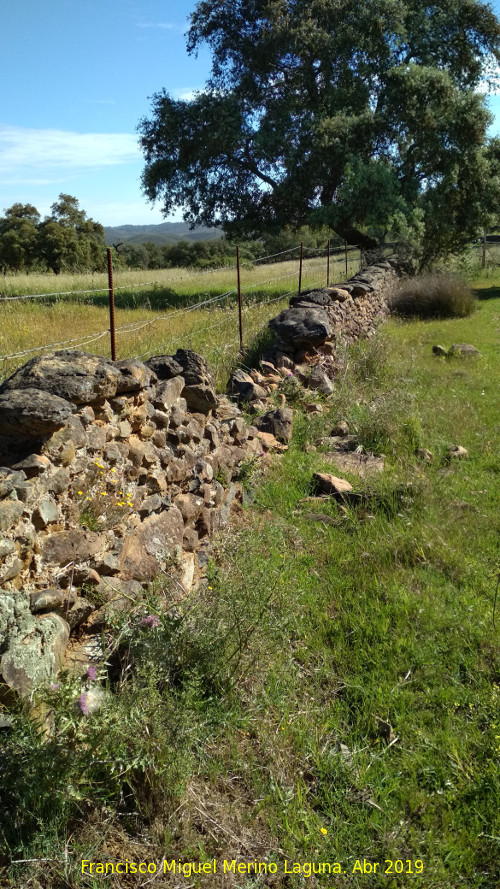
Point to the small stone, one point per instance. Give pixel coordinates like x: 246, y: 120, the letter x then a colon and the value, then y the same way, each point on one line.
x: 52, y: 599
x: 45, y: 514
x: 96, y: 438
x: 190, y: 507
x: 341, y: 428
x: 464, y: 349
x: 124, y: 429
x: 424, y: 455
x: 150, y: 504
x: 331, y: 484
x: 457, y: 452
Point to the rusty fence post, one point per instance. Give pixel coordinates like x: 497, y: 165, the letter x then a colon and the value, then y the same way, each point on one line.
x: 345, y: 250
x: 240, y: 320
x: 300, y: 267
x: 328, y: 264
x: 111, y: 305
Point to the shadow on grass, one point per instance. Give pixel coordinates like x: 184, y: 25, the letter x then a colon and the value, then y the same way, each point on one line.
x: 483, y: 293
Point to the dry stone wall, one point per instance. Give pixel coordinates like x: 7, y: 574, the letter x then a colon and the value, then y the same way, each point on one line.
x: 111, y: 472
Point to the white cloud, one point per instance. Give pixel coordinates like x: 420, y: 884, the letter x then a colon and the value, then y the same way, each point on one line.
x: 186, y: 94
x: 23, y: 151
x: 163, y: 26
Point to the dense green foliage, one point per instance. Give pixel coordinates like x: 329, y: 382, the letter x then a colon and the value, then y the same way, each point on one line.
x: 65, y: 241
x: 361, y: 116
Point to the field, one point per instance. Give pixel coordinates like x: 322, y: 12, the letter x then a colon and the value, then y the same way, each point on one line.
x: 155, y: 311
x: 332, y: 694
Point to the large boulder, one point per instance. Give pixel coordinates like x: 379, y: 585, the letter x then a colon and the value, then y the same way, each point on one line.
x: 302, y: 326
x: 29, y: 412
x: 75, y: 376
x: 34, y: 657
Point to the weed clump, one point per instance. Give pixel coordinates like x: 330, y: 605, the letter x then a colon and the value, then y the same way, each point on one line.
x: 434, y: 295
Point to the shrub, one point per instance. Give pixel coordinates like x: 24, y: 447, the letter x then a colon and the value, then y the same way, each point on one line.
x: 433, y: 296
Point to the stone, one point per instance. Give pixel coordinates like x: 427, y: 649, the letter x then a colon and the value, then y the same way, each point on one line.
x: 424, y: 454
x: 76, y: 376
x: 96, y: 438
x: 167, y: 393
x: 164, y: 366
x: 278, y: 422
x: 10, y: 512
x: 341, y: 428
x: 320, y: 381
x: 359, y: 464
x: 45, y: 514
x: 112, y: 588
x: 31, y: 413
x: 62, y: 547
x: 244, y: 387
x: 57, y: 483
x: 79, y: 612
x: 10, y: 569
x: 150, y: 504
x: 190, y: 540
x: 6, y: 547
x: 107, y: 564
x: 151, y: 544
x: 331, y: 484
x: 52, y: 599
x: 33, y: 465
x: 302, y: 326
x: 35, y: 659
x: 439, y: 351
x: 134, y: 375
x: 464, y: 349
x: 457, y: 452
x: 190, y: 507
x: 187, y: 571
x: 270, y: 441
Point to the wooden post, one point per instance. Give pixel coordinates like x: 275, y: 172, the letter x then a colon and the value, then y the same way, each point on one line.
x: 239, y: 297
x: 111, y: 305
x: 300, y: 268
x: 328, y: 264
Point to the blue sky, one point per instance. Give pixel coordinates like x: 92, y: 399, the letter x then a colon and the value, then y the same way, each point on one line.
x: 76, y: 77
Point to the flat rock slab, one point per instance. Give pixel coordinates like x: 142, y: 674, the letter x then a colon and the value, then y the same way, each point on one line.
x: 75, y: 376
x: 331, y: 484
x: 360, y: 464
x: 29, y: 412
x: 302, y: 326
x: 153, y: 541
x: 62, y: 547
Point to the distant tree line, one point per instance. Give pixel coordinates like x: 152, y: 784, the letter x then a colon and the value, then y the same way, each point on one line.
x: 69, y: 241
x: 220, y: 251
x: 65, y: 241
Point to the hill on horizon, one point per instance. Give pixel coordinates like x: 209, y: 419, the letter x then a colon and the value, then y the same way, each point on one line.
x: 161, y: 233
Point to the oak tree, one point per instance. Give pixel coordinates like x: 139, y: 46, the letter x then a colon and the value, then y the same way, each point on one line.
x: 366, y: 117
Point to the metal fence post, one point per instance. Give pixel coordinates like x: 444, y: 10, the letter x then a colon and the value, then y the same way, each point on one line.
x: 239, y: 297
x: 300, y: 268
x: 111, y: 305
x: 345, y: 250
x: 328, y: 264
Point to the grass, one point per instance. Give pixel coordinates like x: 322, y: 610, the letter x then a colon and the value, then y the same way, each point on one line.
x: 332, y: 693
x: 151, y: 318
x: 433, y: 296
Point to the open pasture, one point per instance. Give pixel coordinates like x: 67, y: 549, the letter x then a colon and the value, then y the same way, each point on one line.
x: 156, y: 312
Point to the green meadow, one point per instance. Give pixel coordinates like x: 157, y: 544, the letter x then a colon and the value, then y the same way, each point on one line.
x: 331, y: 693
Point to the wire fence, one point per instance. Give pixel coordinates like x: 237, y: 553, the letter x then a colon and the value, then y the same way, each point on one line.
x: 237, y: 314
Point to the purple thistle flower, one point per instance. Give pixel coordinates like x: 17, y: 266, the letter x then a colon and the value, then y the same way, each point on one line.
x: 55, y: 686
x: 152, y: 621
x: 91, y: 673
x: 82, y: 703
